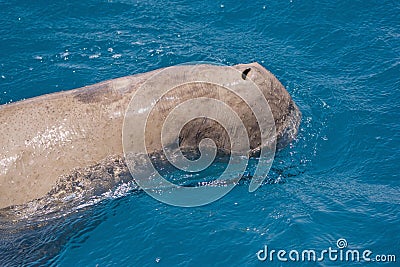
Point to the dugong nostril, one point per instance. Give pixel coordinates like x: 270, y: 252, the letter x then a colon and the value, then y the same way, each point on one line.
x: 245, y: 72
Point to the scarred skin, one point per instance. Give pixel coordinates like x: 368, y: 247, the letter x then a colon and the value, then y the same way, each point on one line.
x: 46, y: 137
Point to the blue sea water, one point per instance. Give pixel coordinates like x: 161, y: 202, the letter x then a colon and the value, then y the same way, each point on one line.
x: 340, y: 61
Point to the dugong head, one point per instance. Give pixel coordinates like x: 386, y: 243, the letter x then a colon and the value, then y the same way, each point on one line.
x: 242, y: 110
x: 253, y: 94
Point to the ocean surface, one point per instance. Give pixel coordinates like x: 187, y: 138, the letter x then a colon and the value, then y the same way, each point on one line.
x: 339, y: 180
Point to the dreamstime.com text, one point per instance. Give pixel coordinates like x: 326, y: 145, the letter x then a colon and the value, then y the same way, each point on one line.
x: 341, y: 253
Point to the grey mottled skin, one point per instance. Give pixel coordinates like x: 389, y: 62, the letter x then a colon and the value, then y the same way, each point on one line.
x: 49, y: 138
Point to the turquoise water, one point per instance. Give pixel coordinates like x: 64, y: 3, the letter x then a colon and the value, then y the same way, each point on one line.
x: 340, y: 179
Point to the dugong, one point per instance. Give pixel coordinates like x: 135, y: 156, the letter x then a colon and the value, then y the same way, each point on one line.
x: 50, y: 136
